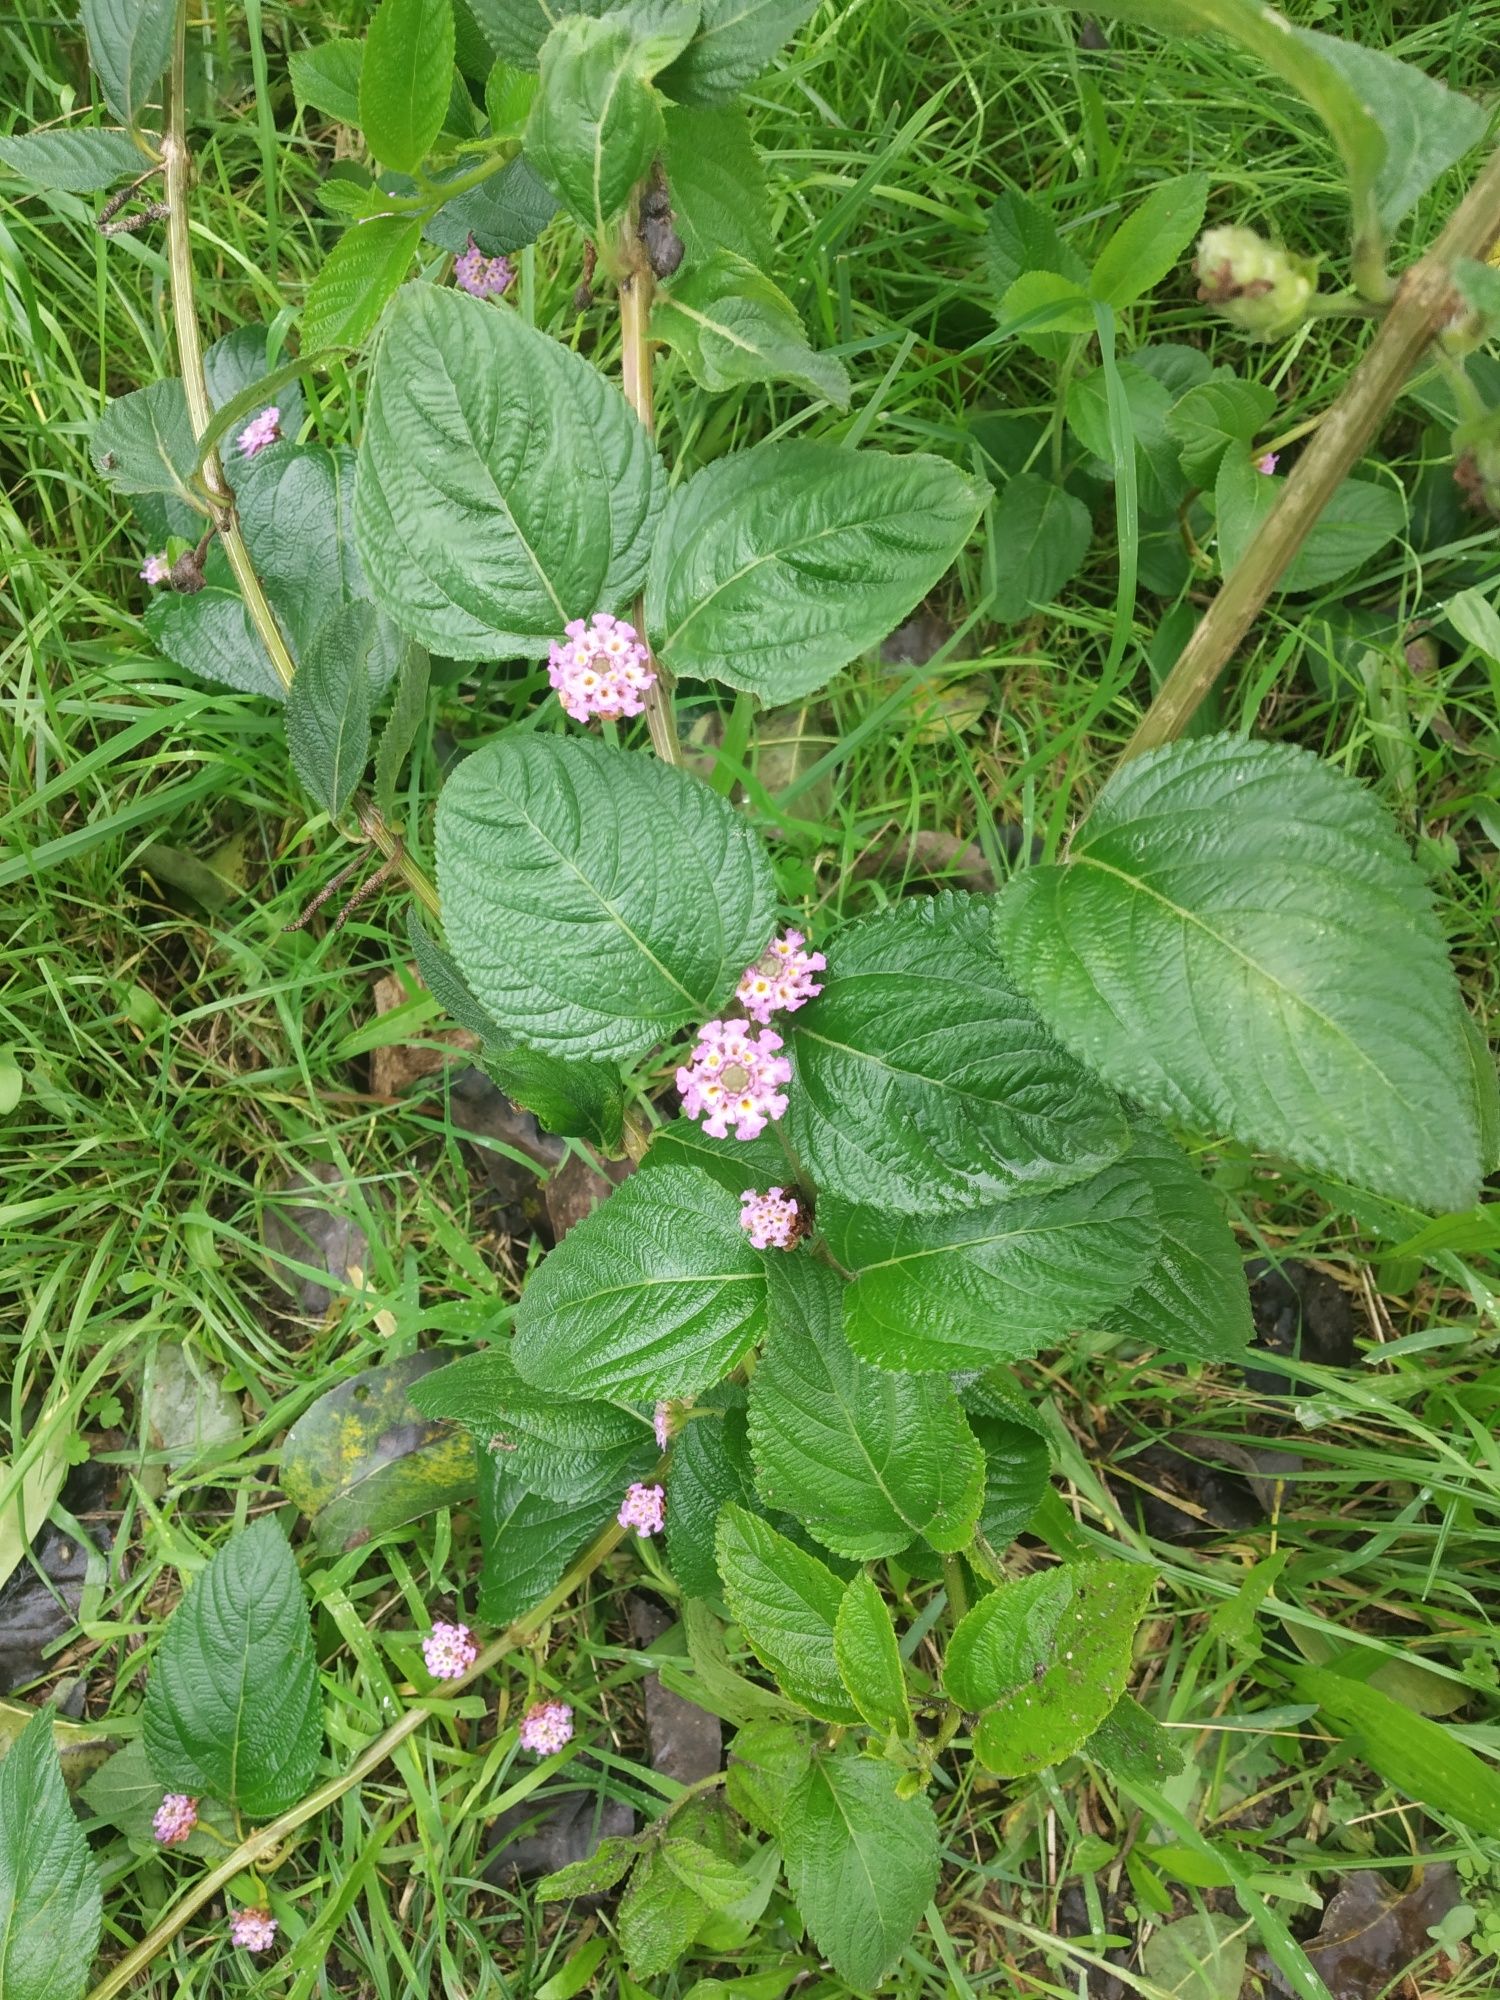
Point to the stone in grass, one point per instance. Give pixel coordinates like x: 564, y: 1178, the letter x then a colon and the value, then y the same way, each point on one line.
x: 311, y: 1224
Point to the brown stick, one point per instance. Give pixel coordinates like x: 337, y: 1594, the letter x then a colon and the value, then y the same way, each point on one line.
x: 637, y: 283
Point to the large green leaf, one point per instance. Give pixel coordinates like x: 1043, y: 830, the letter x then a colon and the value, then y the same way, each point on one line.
x: 328, y: 708
x: 1416, y: 1755
x: 143, y: 443
x: 659, y: 1917
x: 50, y: 1905
x: 775, y: 567
x: 503, y: 212
x: 1022, y: 236
x: 1147, y: 244
x: 656, y: 1293
x: 1017, y: 1461
x: 1194, y: 1299
x: 869, y: 1660
x: 327, y: 78
x: 719, y: 195
x: 924, y: 1081
x: 210, y: 634
x: 735, y: 42
x: 1240, y: 939
x: 405, y: 79
x: 1042, y: 535
x: 710, y: 1464
x: 232, y: 1705
x: 730, y: 324
x: 1212, y: 418
x: 963, y: 1291
x: 130, y: 42
x: 517, y: 29
x: 862, y: 1863
x: 358, y: 278
x: 526, y: 1541
x: 864, y: 1457
x: 77, y: 160
x: 786, y: 1603
x: 594, y: 900
x: 596, y: 123
x: 504, y: 485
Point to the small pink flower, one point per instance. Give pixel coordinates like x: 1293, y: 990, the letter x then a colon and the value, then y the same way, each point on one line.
x: 156, y: 569
x: 644, y: 1509
x: 260, y: 431
x: 175, y: 1818
x: 732, y: 1080
x: 253, y: 1930
x: 449, y: 1651
x: 781, y: 978
x: 546, y: 1727
x: 480, y: 276
x: 773, y: 1219
x: 662, y: 1424
x: 602, y: 669
x: 1267, y: 462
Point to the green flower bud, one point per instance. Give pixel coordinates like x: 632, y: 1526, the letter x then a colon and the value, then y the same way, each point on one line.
x: 1477, y: 476
x: 1259, y: 287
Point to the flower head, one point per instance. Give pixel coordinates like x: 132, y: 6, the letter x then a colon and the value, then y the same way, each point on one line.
x: 480, y: 276
x: 732, y: 1080
x: 602, y: 669
x: 1258, y: 286
x: 773, y: 1219
x: 663, y: 1425
x: 546, y: 1727
x: 1266, y: 463
x: 644, y: 1509
x: 252, y: 1930
x: 449, y: 1651
x: 781, y: 979
x: 260, y: 431
x: 175, y: 1818
x: 156, y: 569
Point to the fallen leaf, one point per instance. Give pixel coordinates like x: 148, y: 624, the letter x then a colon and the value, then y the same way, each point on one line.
x: 307, y: 1230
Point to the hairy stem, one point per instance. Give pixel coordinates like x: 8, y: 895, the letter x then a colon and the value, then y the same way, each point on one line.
x: 636, y: 287
x: 1423, y: 300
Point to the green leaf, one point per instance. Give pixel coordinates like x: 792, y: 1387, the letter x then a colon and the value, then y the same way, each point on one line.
x: 503, y: 213
x: 328, y: 709
x: 656, y: 1293
x: 738, y: 1164
x: 526, y: 1541
x: 1150, y: 241
x: 775, y: 567
x: 720, y: 1881
x: 1416, y: 1755
x: 866, y: 1458
x: 736, y: 42
x: 561, y: 1447
x: 232, y: 1705
x: 143, y: 443
x: 517, y: 29
x: 1042, y: 304
x: 964, y: 1291
x: 504, y: 485
x: 1021, y: 236
x: 402, y: 727
x: 1199, y: 1957
x: 718, y: 186
x: 1243, y: 497
x: 76, y: 160
x: 710, y: 1682
x: 1148, y: 404
x: 241, y: 384
x: 295, y: 504
x: 328, y: 77
x: 1042, y: 535
x: 50, y: 1903
x: 869, y: 1660
x: 405, y: 80
x: 659, y: 1916
x: 786, y: 1604
x: 1357, y: 521
x: 1017, y: 1463
x: 861, y: 1862
x: 766, y: 1762
x: 445, y: 982
x: 596, y: 124
x: 130, y: 42
x: 1194, y: 1299
x: 357, y: 280
x: 595, y: 901
x: 710, y: 1465
x: 730, y: 325
x: 1043, y: 1661
x: 924, y: 1081
x: 509, y: 94
x: 1132, y: 1745
x: 124, y: 1794
x: 210, y: 634
x: 595, y: 1875
x: 584, y: 1100
x: 1212, y: 419
x: 1240, y: 940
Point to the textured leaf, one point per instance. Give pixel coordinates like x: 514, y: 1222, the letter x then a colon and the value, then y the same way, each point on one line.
x: 775, y: 567
x: 1240, y: 939
x: 143, y: 443
x: 327, y: 78
x: 124, y: 1794
x: 595, y: 901
x: 509, y: 94
x: 963, y: 1291
x: 1194, y: 1299
x: 786, y: 1604
x: 657, y: 1293
x: 1042, y: 535
x: 405, y: 80
x: 595, y: 1875
x: 1149, y: 242
x: 1416, y: 1755
x: 869, y: 1660
x: 210, y: 634
x: 1021, y: 236
x: 232, y: 1706
x: 659, y: 1916
x: 719, y: 1881
x: 861, y: 1862
x: 730, y: 324
x: 738, y: 1164
x: 358, y: 279
x: 866, y: 1458
x: 526, y: 1542
x: 1040, y: 305
x: 77, y: 160
x: 504, y: 485
x: 719, y: 196
x: 1160, y: 482
x: 130, y: 42
x: 503, y: 213
x: 736, y: 42
x: 596, y: 123
x: 236, y: 372
x: 328, y: 708
x: 1017, y: 1463
x: 516, y: 29
x: 710, y: 1465
x: 1213, y: 418
x: 50, y: 1904
x: 766, y: 1761
x: 924, y: 1081
x: 401, y: 727
x: 1357, y: 521
x: 1132, y: 1745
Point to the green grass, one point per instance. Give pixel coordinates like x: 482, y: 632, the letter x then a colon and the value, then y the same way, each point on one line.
x: 182, y: 1054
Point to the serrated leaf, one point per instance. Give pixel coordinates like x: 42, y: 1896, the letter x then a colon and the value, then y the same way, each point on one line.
x: 869, y: 1660
x: 516, y: 29
x: 232, y: 1706
x: 1148, y: 243
x: 861, y: 1862
x: 595, y: 1875
x: 1040, y: 305
x: 658, y: 1918
x: 526, y: 1541
x: 1042, y: 535
x: 1240, y: 939
x: 241, y: 383
x: 1358, y: 519
x: 775, y: 567
x: 50, y: 1903
x: 405, y: 79
x: 143, y: 443
x: 595, y: 901
x: 1148, y: 403
x: 719, y: 1881
x: 765, y: 1763
x: 328, y: 708
x: 1017, y: 1463
x: 504, y: 485
x: 130, y: 42
x: 1194, y: 1299
x: 402, y: 726
x: 657, y: 1293
x: 865, y: 1458
x: 993, y: 1284
x: 730, y: 325
x: 509, y: 94
x: 210, y: 634
x: 786, y: 1604
x: 358, y: 278
x: 584, y: 1099
x: 1416, y: 1755
x: 502, y: 213
x: 124, y: 1794
x: 596, y: 124
x: 76, y: 160
x: 1022, y: 236
x: 445, y: 982
x: 718, y: 186
x: 924, y: 1081
x: 736, y: 42
x: 738, y: 1164
x: 710, y: 1465
x: 1213, y: 418
x: 1132, y: 1745
x: 327, y: 78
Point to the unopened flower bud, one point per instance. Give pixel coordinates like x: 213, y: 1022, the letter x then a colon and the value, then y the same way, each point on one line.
x: 1258, y: 286
x: 1477, y: 476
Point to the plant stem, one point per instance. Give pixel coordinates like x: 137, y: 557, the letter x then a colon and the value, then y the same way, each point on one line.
x: 958, y: 1591
x: 265, y: 1839
x: 637, y: 283
x: 1423, y: 299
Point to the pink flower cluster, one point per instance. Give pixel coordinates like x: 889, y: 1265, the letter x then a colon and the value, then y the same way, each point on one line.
x: 602, y: 670
x: 175, y: 1818
x: 773, y: 1219
x: 733, y: 1080
x: 781, y: 979
x: 449, y: 1651
x: 480, y: 276
x: 644, y: 1509
x: 662, y: 1423
x: 1266, y: 463
x: 156, y: 569
x: 253, y: 1930
x: 260, y: 431
x: 546, y: 1727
